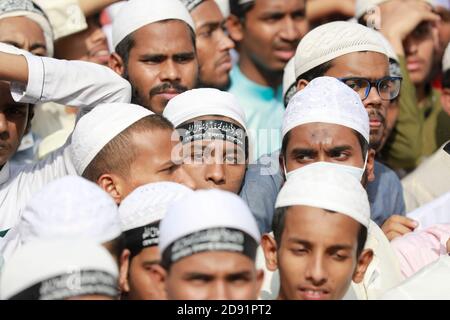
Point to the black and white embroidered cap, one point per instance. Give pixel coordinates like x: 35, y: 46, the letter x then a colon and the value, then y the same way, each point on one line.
x: 207, y: 220
x: 57, y: 270
x: 142, y: 210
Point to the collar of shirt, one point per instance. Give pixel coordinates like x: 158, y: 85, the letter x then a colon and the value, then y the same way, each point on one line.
x: 4, y: 173
x: 253, y: 88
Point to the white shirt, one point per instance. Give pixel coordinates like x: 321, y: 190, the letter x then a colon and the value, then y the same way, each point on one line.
x: 431, y: 283
x: 75, y: 83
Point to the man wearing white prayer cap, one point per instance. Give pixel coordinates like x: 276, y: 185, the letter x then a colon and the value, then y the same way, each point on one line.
x: 154, y: 43
x: 355, y: 55
x: 208, y: 242
x: 140, y: 216
x: 123, y: 146
x: 213, y: 133
x: 60, y: 270
x: 25, y: 25
x: 27, y: 80
x: 412, y: 29
x: 212, y: 42
x: 320, y: 229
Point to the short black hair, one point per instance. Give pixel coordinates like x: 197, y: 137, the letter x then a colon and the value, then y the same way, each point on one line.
x: 279, y: 220
x: 446, y: 79
x: 316, y: 72
x: 362, y: 142
x: 240, y: 10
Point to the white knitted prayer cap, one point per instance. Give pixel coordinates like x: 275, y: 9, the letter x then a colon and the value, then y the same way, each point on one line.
x: 135, y: 14
x: 71, y: 207
x: 148, y: 204
x: 95, y: 129
x: 327, y: 100
x: 332, y: 40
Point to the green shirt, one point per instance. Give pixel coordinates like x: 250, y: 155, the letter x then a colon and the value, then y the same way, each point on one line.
x: 419, y: 131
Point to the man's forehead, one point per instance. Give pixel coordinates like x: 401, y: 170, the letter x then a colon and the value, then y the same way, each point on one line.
x: 164, y: 34
x: 302, y: 221
x: 214, y: 262
x: 279, y: 5
x: 366, y: 64
x: 319, y: 132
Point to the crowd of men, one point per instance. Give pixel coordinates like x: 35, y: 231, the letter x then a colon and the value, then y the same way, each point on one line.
x: 224, y: 149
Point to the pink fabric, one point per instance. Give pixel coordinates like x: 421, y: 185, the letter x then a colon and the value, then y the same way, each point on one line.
x: 418, y: 249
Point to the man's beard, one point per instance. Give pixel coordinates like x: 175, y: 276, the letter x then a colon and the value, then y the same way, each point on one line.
x: 224, y: 87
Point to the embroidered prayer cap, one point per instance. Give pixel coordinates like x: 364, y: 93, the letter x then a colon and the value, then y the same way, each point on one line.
x: 368, y: 6
x: 327, y: 100
x: 332, y: 40
x: 207, y: 220
x: 326, y: 188
x: 289, y: 81
x: 204, y: 102
x: 135, y: 14
x: 148, y: 204
x: 73, y: 208
x: 446, y: 59
x: 192, y: 4
x: 30, y: 10
x: 56, y: 270
x: 98, y: 127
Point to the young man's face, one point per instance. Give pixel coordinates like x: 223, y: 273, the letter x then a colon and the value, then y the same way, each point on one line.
x: 143, y: 281
x: 420, y: 48
x: 372, y: 66
x: 23, y: 33
x: 215, y: 164
x: 317, y: 254
x: 314, y: 142
x: 13, y: 123
x: 213, y: 46
x: 153, y: 162
x: 89, y: 45
x: 271, y: 32
x: 214, y: 276
x: 162, y: 63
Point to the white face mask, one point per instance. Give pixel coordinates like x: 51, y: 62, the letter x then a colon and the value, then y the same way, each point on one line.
x: 358, y: 173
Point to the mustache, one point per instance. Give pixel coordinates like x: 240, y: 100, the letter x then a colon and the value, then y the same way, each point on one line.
x: 162, y: 88
x: 374, y: 113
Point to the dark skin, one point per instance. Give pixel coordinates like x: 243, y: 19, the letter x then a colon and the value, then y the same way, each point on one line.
x: 162, y: 63
x: 213, y: 45
x: 139, y: 278
x: 268, y: 38
x: 23, y: 33
x: 14, y: 119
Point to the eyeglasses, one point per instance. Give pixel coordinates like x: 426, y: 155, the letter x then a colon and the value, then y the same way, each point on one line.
x: 388, y: 88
